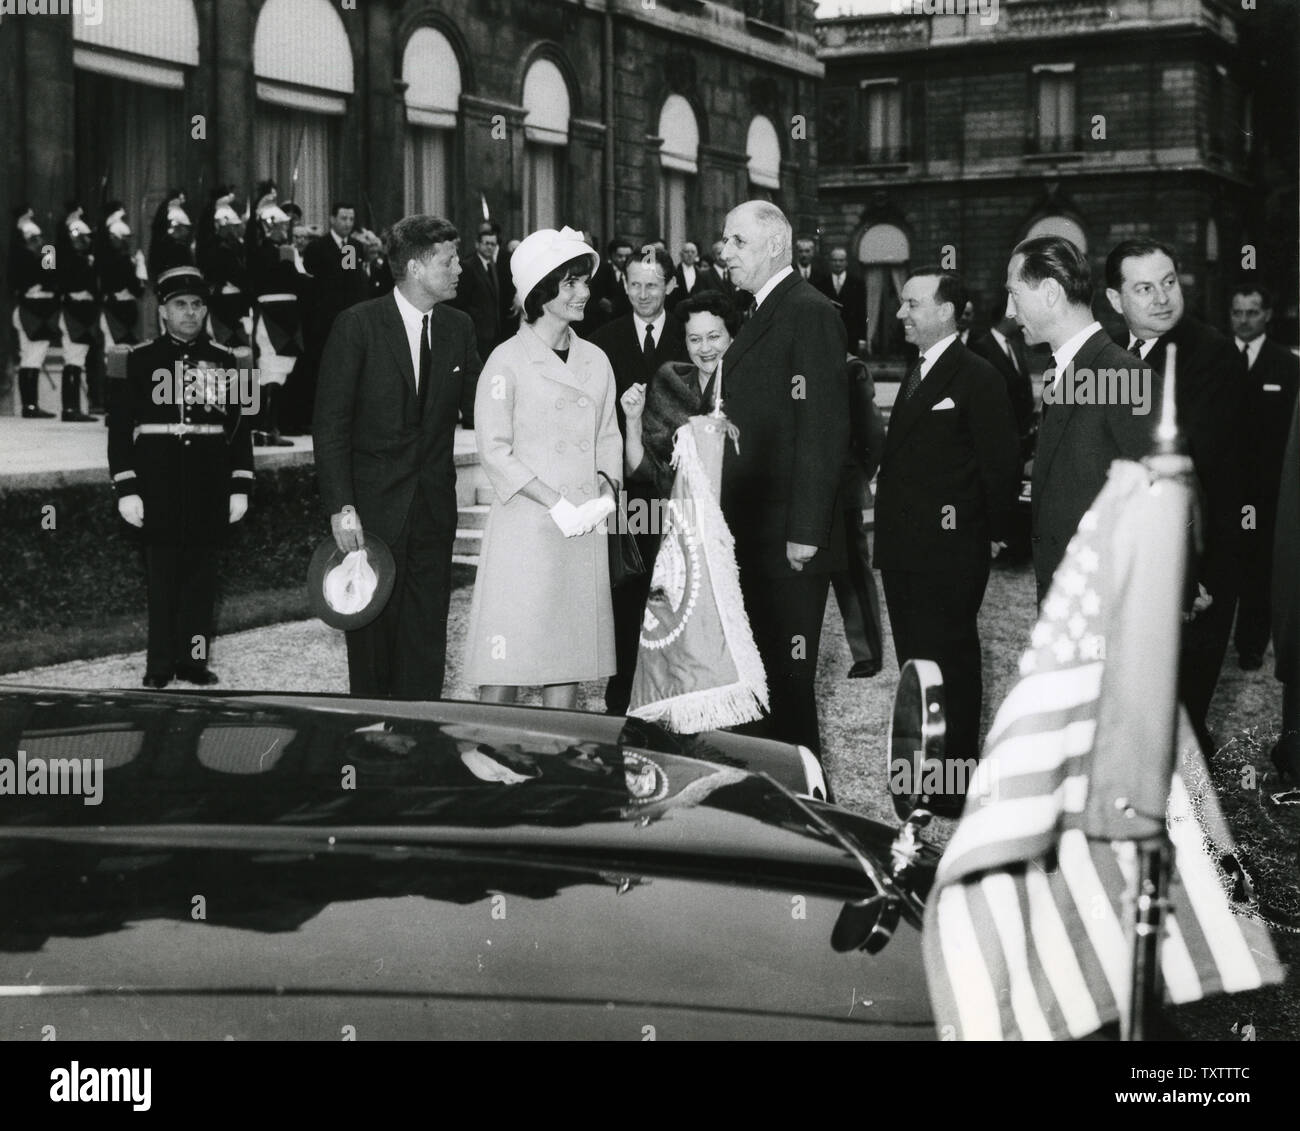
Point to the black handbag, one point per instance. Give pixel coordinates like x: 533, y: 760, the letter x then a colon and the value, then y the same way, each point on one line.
x: 625, y: 561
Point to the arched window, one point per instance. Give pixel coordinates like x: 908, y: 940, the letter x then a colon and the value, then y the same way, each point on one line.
x: 431, y: 72
x: 764, y: 150
x: 884, y: 252
x: 129, y: 103
x: 301, y: 96
x: 678, y: 164
x: 546, y: 140
x: 1059, y: 226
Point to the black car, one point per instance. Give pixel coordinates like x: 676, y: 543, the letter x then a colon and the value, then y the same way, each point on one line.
x: 241, y: 866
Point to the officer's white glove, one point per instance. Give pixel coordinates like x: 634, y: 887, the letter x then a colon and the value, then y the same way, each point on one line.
x: 238, y: 507
x: 594, y: 512
x: 81, y: 296
x: 131, y: 508
x: 568, y: 518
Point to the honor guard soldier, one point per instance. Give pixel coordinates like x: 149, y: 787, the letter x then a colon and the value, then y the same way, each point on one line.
x: 225, y: 266
x: 181, y: 455
x: 277, y: 328
x: 79, y: 317
x: 34, y: 280
x: 121, y: 281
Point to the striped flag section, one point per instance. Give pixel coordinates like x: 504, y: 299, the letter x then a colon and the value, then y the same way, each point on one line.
x: 1028, y: 929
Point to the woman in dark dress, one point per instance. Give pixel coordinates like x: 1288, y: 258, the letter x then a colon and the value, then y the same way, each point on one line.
x: 678, y: 390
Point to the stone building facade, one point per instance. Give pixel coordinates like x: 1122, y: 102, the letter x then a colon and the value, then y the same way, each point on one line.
x: 946, y: 138
x: 637, y: 117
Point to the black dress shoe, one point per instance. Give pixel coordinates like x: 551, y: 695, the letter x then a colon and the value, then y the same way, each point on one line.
x: 76, y: 416
x: 1250, y: 662
x: 191, y: 673
x: 156, y: 680
x: 31, y: 412
x: 864, y: 669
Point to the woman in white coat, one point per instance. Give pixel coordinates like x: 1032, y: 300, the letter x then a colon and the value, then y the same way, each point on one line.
x: 545, y: 424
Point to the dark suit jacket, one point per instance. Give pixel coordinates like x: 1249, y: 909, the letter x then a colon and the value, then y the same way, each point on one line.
x: 1271, y: 388
x: 336, y: 287
x: 962, y: 456
x: 705, y: 280
x: 1076, y: 444
x: 1020, y: 390
x: 784, y: 387
x: 619, y: 339
x: 852, y: 304
x: 476, y: 298
x: 373, y: 445
x: 1210, y: 397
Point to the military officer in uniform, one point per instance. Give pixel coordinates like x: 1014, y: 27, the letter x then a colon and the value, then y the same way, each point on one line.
x: 180, y: 452
x: 35, y: 282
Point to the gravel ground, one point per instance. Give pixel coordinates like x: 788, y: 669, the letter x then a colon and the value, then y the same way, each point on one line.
x: 308, y: 656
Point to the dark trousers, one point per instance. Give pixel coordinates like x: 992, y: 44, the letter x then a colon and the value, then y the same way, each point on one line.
x: 1205, y: 640
x: 935, y: 616
x: 182, y: 586
x: 855, y: 592
x: 629, y: 610
x: 1254, y: 604
x: 402, y: 653
x: 786, y: 616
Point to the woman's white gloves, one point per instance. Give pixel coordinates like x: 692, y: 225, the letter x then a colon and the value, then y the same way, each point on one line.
x: 574, y: 521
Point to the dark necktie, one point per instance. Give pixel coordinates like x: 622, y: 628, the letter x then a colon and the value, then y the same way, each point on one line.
x: 426, y: 363
x: 1245, y: 352
x: 912, y: 383
x: 490, y: 268
x: 648, y: 346
x: 1138, y: 343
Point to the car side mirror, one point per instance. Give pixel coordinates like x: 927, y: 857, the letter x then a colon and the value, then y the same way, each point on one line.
x: 916, y: 735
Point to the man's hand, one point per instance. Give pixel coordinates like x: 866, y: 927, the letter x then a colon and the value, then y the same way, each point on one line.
x: 131, y: 508
x: 346, y: 528
x: 1202, y: 601
x: 796, y: 554
x: 238, y: 507
x: 568, y: 518
x: 997, y: 547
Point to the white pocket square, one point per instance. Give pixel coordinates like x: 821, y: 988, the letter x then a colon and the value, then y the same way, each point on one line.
x: 455, y: 368
x: 947, y: 402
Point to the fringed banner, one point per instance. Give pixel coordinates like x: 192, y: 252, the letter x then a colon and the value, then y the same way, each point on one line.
x: 698, y: 667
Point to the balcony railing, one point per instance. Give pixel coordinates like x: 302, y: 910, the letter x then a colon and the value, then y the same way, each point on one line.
x: 1049, y: 145
x: 882, y: 154
x: 767, y: 11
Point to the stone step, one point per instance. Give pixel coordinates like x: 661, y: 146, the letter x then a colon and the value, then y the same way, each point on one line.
x: 472, y: 517
x: 483, y: 494
x: 468, y: 543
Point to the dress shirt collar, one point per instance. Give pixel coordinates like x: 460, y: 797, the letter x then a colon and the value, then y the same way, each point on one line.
x: 767, y: 288
x: 1148, y: 344
x: 338, y: 239
x: 1252, y: 349
x: 412, y: 321
x: 658, y: 325
x: 934, y: 352
x: 1065, y: 355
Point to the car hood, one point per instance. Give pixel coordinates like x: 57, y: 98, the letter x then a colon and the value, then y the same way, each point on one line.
x: 263, y: 866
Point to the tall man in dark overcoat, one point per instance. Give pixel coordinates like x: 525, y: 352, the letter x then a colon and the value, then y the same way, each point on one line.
x: 784, y: 386
x: 384, y: 428
x: 944, y: 496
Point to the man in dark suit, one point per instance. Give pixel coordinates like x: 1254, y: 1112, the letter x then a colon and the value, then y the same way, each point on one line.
x: 855, y: 585
x: 608, y: 288
x: 849, y: 294
x: 691, y: 276
x: 1049, y: 293
x: 1003, y: 347
x: 637, y: 344
x: 1142, y: 284
x: 1271, y: 383
x: 944, y: 494
x: 336, y: 263
x: 784, y: 387
x: 725, y: 285
x: 390, y: 388
x: 805, y: 253
x: 480, y: 297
